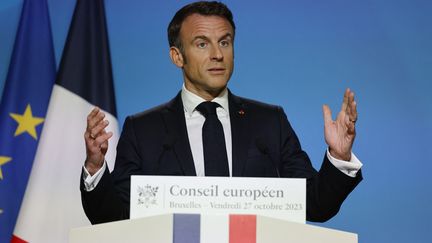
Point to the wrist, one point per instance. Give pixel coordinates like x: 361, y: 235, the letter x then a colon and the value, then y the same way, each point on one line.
x: 93, y: 167
x: 340, y: 156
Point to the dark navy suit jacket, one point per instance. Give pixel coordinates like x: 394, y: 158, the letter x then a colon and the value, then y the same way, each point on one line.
x: 155, y: 142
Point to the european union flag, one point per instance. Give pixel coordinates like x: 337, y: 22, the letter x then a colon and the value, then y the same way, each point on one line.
x: 23, y: 107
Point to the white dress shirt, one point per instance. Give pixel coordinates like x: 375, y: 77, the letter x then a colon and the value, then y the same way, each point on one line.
x: 195, y: 121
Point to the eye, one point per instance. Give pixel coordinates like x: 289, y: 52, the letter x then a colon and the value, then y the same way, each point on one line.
x: 202, y: 45
x: 224, y: 43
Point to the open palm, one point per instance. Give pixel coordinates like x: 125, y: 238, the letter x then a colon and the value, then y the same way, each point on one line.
x: 340, y: 133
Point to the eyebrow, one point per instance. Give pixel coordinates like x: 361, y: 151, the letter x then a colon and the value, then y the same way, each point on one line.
x: 203, y: 37
x: 225, y: 36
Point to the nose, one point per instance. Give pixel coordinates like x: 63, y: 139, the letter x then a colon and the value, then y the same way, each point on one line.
x: 216, y: 54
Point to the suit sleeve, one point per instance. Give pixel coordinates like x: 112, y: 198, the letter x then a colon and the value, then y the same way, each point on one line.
x: 326, y: 188
x: 109, y: 200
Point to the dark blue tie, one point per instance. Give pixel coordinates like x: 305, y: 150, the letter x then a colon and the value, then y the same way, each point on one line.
x: 215, y: 155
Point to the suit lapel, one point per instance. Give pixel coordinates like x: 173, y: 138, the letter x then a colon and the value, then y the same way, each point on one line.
x: 240, y: 134
x: 176, y: 126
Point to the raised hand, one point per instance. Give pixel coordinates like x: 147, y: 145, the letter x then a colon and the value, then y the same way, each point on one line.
x: 96, y: 140
x: 340, y: 134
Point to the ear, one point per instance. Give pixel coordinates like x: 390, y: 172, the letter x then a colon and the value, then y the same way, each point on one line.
x: 176, y: 56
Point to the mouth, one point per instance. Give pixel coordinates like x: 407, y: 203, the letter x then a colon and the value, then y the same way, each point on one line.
x: 216, y: 71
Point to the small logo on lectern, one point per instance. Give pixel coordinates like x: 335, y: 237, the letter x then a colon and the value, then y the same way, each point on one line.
x: 147, y: 195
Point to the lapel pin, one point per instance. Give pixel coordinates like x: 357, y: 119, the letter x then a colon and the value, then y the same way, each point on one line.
x: 241, y: 112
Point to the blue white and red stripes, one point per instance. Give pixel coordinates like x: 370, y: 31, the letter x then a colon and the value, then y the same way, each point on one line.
x: 195, y: 228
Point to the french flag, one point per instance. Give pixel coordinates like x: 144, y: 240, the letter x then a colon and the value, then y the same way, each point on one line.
x: 51, y: 205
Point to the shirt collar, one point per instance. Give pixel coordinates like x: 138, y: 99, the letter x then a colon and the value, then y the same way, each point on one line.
x: 191, y: 100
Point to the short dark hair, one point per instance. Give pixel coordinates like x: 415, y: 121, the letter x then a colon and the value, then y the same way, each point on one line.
x: 203, y: 8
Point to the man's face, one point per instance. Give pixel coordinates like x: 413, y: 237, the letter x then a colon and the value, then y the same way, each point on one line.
x: 207, y: 57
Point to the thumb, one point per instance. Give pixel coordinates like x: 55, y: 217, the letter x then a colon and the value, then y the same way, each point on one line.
x: 327, y: 114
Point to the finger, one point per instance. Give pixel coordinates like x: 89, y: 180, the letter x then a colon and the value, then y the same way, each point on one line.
x: 90, y: 138
x: 327, y: 114
x: 349, y: 120
x: 352, y: 107
x: 95, y: 132
x: 95, y: 120
x: 96, y: 144
x: 90, y: 116
x: 348, y: 107
x: 345, y: 100
x: 353, y: 114
x: 93, y: 112
x: 101, y: 133
x: 102, y: 139
x: 104, y: 146
x: 350, y: 97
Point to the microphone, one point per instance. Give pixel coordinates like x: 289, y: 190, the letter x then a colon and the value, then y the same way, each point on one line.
x: 259, y: 142
x: 168, y: 144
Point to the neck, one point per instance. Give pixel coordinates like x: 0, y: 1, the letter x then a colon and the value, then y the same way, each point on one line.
x: 208, y: 95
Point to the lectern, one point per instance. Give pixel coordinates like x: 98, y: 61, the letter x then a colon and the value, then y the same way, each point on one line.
x: 196, y: 228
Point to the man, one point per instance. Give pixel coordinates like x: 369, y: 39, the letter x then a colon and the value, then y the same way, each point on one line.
x: 229, y: 136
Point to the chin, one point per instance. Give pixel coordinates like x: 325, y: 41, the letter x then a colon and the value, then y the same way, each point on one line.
x: 218, y: 82
x: 218, y: 88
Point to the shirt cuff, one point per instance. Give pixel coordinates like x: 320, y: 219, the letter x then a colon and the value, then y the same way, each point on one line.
x: 349, y: 168
x: 90, y: 182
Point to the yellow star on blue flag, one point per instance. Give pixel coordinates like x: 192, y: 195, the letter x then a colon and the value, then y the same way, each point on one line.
x: 3, y: 160
x: 26, y: 122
